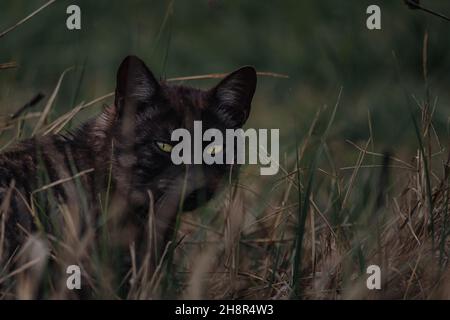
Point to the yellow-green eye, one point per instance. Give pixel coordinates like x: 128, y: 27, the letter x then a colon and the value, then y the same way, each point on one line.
x: 165, y: 147
x: 213, y: 150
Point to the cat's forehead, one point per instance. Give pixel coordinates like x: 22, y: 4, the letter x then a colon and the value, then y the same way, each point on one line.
x: 185, y: 99
x: 182, y: 106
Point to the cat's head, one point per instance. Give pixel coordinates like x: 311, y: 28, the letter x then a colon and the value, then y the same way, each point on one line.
x: 148, y: 111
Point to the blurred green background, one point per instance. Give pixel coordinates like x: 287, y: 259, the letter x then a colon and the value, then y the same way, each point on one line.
x: 321, y: 45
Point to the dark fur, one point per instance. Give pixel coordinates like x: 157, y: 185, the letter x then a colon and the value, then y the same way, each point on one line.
x: 122, y: 140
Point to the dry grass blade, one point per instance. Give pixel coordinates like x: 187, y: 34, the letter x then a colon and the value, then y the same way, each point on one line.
x: 223, y: 75
x: 380, y: 155
x: 56, y: 126
x: 35, y: 249
x: 8, y: 65
x: 21, y: 269
x: 48, y: 107
x: 59, y: 124
x: 36, y: 99
x: 31, y: 15
x: 61, y: 181
x: 415, y: 4
x: 6, y: 123
x: 372, y: 166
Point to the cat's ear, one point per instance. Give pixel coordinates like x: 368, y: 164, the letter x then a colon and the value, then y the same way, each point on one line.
x: 136, y: 84
x: 232, y: 97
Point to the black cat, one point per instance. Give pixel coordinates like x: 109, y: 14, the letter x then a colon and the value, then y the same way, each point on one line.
x: 125, y: 152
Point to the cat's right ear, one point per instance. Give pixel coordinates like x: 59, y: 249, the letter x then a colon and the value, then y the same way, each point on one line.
x: 232, y: 97
x: 136, y: 84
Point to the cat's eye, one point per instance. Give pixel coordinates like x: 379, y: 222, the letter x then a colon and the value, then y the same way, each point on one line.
x: 165, y: 147
x: 215, y: 149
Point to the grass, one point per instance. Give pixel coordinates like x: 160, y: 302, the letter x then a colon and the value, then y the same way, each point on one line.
x: 309, y: 234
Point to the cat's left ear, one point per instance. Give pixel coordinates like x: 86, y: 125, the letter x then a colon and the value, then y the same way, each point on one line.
x: 136, y: 84
x: 232, y: 97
